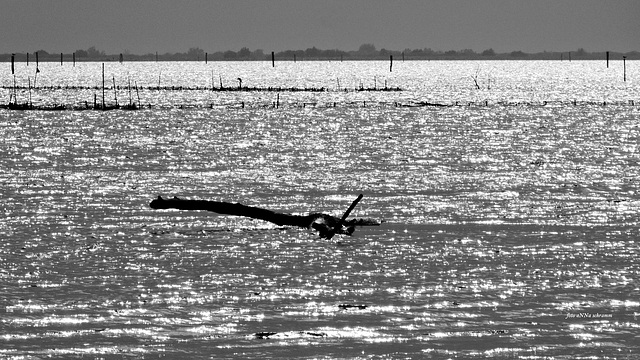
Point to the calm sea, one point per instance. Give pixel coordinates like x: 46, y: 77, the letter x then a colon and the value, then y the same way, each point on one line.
x: 510, y: 217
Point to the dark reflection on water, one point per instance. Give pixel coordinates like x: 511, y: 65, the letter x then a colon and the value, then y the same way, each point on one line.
x: 507, y: 233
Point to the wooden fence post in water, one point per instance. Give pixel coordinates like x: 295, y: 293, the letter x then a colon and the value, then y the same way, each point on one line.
x: 624, y: 68
x: 27, y: 59
x: 138, y: 94
x: 607, y: 59
x: 60, y: 59
x: 115, y: 93
x: 273, y: 59
x: 74, y: 59
x: 130, y: 100
x: 206, y: 58
x: 390, y: 63
x: 15, y: 97
x: 102, y: 86
x: 36, y: 60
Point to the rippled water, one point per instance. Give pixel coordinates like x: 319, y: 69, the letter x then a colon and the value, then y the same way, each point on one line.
x: 509, y: 226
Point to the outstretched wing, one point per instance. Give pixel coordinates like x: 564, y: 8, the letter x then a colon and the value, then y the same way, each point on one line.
x: 326, y: 225
x: 236, y: 209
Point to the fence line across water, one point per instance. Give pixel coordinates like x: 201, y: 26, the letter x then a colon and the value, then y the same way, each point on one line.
x: 205, y: 88
x: 277, y: 104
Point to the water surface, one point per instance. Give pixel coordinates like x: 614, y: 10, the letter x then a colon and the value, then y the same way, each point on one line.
x: 509, y: 225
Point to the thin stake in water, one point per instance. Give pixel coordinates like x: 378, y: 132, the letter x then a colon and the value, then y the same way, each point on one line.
x: 30, y: 103
x: 130, y: 99
x: 138, y: 94
x: 115, y: 92
x: 103, y: 86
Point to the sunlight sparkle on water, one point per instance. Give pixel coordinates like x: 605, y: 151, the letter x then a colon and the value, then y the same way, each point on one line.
x: 505, y: 220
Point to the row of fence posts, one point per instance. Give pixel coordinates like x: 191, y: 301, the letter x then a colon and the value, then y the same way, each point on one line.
x: 273, y: 64
x: 273, y: 61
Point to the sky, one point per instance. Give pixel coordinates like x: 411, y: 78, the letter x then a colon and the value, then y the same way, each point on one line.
x: 149, y: 26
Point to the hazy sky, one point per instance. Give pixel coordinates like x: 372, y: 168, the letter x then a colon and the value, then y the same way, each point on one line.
x: 147, y: 26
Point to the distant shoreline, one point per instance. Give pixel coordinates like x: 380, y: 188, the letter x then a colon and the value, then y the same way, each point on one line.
x: 69, y: 60
x: 364, y: 53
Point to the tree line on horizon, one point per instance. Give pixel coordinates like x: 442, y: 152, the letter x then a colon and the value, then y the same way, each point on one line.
x: 365, y: 52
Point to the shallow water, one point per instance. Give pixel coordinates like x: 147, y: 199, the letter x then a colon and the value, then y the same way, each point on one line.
x: 509, y: 230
